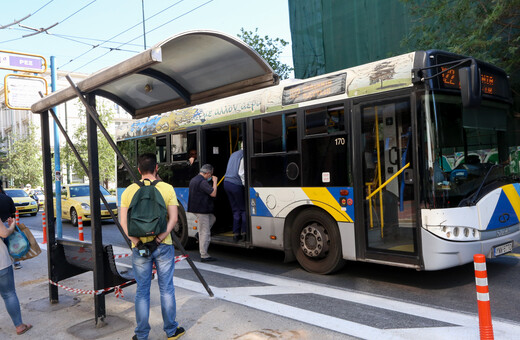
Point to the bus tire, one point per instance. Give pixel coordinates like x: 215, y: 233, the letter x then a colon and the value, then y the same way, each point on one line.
x: 182, y: 229
x: 316, y: 242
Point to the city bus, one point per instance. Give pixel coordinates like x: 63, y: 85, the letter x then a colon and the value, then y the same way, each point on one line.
x: 410, y: 161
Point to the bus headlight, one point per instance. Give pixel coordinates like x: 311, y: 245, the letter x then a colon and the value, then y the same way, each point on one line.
x: 455, y: 233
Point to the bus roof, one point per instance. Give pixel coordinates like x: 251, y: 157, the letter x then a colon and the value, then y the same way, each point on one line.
x: 376, y: 77
x: 187, y: 69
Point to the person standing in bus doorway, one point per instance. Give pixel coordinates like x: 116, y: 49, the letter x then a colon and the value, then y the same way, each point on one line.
x: 234, y: 183
x: 200, y: 203
x: 163, y: 256
x: 193, y: 164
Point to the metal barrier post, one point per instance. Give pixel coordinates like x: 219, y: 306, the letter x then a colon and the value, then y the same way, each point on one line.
x: 17, y: 218
x: 484, y: 307
x: 44, y: 227
x: 80, y: 228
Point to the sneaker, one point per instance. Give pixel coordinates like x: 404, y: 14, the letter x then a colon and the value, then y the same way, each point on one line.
x: 178, y: 333
x: 237, y: 238
x: 17, y: 265
x: 207, y: 259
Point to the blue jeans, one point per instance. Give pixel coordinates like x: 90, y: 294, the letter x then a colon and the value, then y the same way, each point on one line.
x: 8, y: 292
x: 164, y: 259
x: 236, y: 196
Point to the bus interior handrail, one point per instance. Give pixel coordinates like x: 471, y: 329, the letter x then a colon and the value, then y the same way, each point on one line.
x: 388, y: 181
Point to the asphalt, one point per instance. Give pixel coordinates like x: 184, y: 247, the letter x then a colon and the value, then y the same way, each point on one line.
x: 202, y: 316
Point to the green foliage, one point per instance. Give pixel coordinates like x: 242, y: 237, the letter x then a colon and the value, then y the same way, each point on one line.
x: 106, y: 154
x: 485, y: 29
x: 24, y: 160
x: 269, y: 49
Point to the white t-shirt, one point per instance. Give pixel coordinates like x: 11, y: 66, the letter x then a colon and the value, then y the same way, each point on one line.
x: 5, y: 258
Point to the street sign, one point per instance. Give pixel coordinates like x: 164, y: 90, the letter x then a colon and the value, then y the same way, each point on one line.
x: 16, y: 61
x: 22, y: 91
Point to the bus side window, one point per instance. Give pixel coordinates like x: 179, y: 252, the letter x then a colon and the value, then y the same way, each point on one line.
x: 145, y: 145
x: 267, y: 134
x: 291, y: 133
x: 179, y: 146
x: 324, y: 120
x: 160, y: 149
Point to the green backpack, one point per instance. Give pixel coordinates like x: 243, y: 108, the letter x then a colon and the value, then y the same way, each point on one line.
x: 147, y: 211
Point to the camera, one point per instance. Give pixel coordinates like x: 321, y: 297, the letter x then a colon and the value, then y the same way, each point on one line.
x: 142, y: 249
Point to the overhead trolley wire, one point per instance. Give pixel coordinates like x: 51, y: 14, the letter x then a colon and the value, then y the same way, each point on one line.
x: 79, y: 10
x: 169, y: 21
x: 42, y: 30
x: 115, y: 36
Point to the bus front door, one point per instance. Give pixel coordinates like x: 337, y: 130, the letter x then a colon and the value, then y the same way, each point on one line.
x: 218, y: 143
x: 386, y: 157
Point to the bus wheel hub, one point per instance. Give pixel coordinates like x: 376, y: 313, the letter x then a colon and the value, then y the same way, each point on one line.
x: 314, y: 240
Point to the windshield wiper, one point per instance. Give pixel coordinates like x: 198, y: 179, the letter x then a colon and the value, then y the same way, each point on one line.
x: 475, y: 195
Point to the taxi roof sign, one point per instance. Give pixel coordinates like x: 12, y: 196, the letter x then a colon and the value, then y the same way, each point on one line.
x: 24, y: 62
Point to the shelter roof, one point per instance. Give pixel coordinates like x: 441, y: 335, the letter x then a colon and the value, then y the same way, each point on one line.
x: 187, y: 69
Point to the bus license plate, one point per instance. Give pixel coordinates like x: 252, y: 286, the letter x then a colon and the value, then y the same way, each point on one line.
x: 503, y: 249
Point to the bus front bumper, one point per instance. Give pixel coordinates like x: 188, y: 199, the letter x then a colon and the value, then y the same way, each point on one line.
x: 439, y: 253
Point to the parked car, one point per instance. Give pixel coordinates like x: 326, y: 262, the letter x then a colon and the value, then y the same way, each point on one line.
x: 41, y: 197
x: 23, y: 203
x: 75, y: 201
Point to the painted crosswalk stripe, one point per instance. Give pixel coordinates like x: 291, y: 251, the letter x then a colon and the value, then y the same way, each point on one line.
x: 465, y: 326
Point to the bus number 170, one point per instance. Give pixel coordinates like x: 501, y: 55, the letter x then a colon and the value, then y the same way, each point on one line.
x: 340, y: 141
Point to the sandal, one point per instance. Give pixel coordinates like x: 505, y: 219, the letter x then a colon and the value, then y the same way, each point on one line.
x: 24, y: 329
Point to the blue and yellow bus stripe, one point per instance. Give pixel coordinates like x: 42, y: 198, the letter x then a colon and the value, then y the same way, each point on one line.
x: 322, y: 198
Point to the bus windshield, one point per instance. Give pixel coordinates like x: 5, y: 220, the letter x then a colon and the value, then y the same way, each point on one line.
x: 469, y: 151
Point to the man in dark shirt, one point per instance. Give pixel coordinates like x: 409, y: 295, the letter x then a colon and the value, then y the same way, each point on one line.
x: 200, y: 203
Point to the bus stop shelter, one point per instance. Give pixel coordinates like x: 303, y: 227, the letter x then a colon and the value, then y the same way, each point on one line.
x: 187, y: 69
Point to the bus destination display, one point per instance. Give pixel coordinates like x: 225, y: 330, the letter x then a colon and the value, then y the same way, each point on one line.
x: 491, y: 84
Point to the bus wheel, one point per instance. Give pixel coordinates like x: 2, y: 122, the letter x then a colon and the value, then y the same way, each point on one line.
x: 316, y: 242
x: 181, y: 230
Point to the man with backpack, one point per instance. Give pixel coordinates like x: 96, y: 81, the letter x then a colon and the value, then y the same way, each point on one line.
x: 148, y: 215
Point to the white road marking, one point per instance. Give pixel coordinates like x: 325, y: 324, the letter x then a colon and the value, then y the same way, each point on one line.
x: 466, y: 325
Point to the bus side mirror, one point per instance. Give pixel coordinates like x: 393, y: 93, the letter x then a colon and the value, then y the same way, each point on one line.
x: 470, y: 85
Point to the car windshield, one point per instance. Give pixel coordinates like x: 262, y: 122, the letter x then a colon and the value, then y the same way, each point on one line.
x: 84, y: 190
x: 16, y: 193
x: 38, y: 192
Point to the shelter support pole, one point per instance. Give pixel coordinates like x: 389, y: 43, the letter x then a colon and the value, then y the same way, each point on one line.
x: 85, y: 169
x: 93, y: 115
x: 49, y: 208
x: 95, y: 208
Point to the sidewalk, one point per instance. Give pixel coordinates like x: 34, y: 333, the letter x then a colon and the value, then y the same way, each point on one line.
x: 203, y: 317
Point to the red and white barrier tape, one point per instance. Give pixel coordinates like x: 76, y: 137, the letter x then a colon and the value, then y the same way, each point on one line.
x: 88, y: 259
x: 118, y: 291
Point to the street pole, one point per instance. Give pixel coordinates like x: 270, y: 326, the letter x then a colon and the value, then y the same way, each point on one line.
x: 57, y: 167
x: 144, y: 29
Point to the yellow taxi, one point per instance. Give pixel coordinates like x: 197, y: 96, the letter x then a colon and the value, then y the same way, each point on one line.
x: 75, y: 201
x: 23, y: 203
x: 41, y: 197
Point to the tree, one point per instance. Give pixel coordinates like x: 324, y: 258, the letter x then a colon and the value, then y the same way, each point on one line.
x: 485, y: 29
x: 269, y: 49
x: 106, y: 154
x: 24, y: 160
